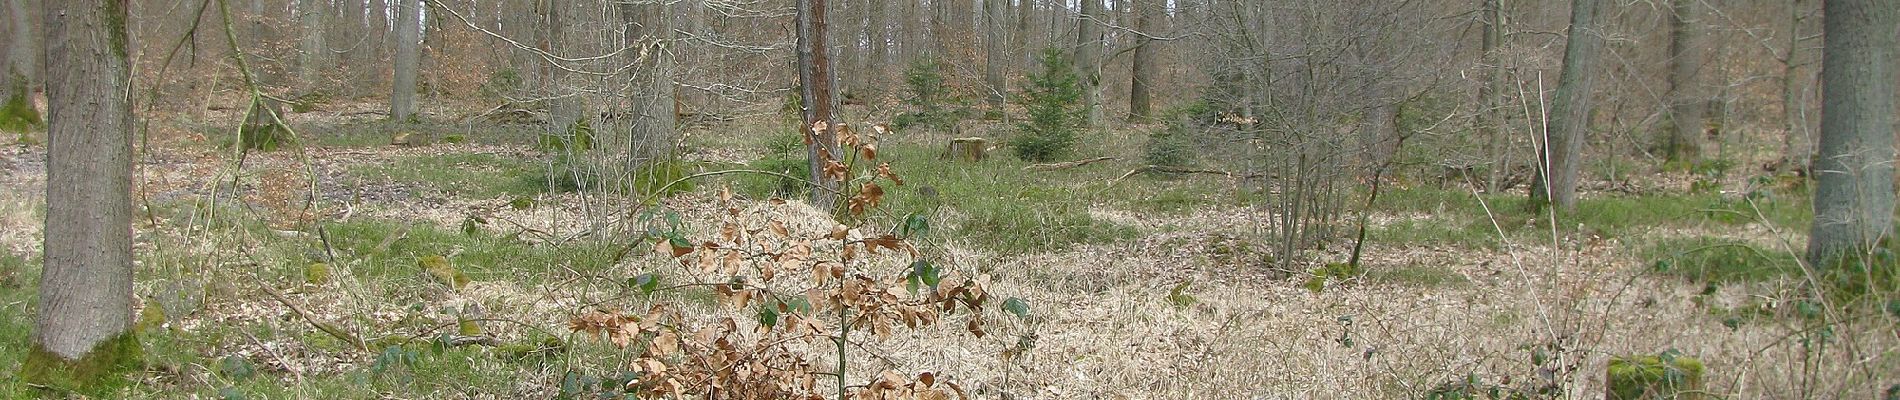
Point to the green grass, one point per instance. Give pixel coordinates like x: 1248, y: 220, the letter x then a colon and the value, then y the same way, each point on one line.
x: 1457, y: 218
x: 1718, y: 260
x: 472, y: 175
x: 483, y: 256
x: 379, y: 133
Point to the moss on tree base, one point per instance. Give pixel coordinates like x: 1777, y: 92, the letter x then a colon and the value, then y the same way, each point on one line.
x: 100, y: 372
x: 1654, y: 377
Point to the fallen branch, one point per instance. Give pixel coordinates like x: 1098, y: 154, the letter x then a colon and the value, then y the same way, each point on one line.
x: 1065, y: 165
x: 1171, y: 170
x: 332, y: 329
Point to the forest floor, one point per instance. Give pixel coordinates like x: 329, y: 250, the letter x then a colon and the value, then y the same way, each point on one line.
x: 1139, y: 288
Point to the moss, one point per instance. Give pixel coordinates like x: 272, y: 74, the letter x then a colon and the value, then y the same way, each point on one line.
x: 316, y: 273
x: 438, y: 267
x: 1654, y: 377
x: 100, y: 372
x: 17, y: 114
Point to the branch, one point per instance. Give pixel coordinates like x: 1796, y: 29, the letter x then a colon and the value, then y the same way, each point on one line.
x: 1065, y: 165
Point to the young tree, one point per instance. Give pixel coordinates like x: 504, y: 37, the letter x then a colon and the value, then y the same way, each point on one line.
x: 83, y: 332
x: 402, y: 102
x: 994, y: 54
x: 1568, y: 128
x: 1853, y: 201
x: 1681, y: 140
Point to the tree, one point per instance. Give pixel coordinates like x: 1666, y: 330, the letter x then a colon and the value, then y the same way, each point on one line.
x: 1088, y: 57
x: 1561, y: 151
x: 994, y: 54
x: 814, y: 81
x: 1141, y: 74
x: 402, y: 102
x: 1853, y: 201
x: 1050, y: 98
x: 1491, y: 78
x: 1681, y: 141
x: 313, y: 55
x: 16, y: 81
x: 83, y: 335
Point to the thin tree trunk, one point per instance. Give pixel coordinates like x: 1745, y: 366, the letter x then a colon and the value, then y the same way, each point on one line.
x: 1562, y: 149
x: 22, y: 47
x: 86, y: 289
x: 1491, y: 75
x: 653, y: 99
x: 402, y: 100
x: 1141, y: 74
x: 814, y: 77
x: 1682, y: 139
x: 1795, y: 139
x: 1853, y: 201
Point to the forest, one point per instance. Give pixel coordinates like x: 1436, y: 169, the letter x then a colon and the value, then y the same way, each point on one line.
x: 949, y: 199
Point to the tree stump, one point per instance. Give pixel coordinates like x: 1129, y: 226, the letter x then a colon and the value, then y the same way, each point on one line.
x: 262, y: 129
x: 1644, y: 377
x: 967, y: 149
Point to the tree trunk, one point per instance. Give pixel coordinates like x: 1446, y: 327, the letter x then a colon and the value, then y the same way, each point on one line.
x: 22, y: 50
x: 995, y: 56
x: 1560, y: 153
x: 402, y: 101
x: 1795, y: 149
x: 1853, y: 201
x: 653, y: 92
x: 1491, y: 75
x: 85, y: 302
x: 313, y: 55
x: 1682, y: 140
x: 1088, y: 59
x: 1141, y: 74
x: 814, y: 78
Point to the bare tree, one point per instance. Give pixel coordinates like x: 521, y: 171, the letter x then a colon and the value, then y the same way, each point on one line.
x: 995, y: 54
x: 402, y: 101
x: 814, y: 78
x: 1560, y: 153
x: 1141, y: 74
x: 1088, y: 57
x: 85, y: 306
x: 313, y: 54
x: 1681, y: 141
x: 1491, y: 80
x: 1853, y: 201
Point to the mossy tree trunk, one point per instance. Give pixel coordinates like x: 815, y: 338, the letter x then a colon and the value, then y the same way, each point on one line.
x: 85, y: 293
x: 1561, y: 152
x: 1853, y: 201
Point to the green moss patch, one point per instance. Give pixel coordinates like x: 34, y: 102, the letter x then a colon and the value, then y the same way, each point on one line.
x: 1660, y: 376
x: 100, y: 372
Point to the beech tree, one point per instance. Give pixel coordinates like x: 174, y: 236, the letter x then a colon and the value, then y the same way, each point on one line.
x: 1560, y: 153
x: 82, y: 334
x: 1853, y: 200
x: 402, y: 102
x: 814, y: 82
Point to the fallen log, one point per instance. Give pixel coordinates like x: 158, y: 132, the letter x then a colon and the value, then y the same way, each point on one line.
x: 1065, y: 165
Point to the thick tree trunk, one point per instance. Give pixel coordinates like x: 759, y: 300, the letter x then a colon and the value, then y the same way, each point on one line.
x: 653, y: 99
x: 1682, y: 140
x: 814, y: 78
x: 995, y: 56
x: 402, y: 100
x: 86, y: 289
x: 1088, y: 59
x: 1795, y: 149
x: 1141, y: 74
x: 1853, y: 201
x: 1560, y: 154
x: 313, y: 55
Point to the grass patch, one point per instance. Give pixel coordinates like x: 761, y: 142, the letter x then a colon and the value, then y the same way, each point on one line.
x: 482, y: 256
x: 1718, y: 260
x: 471, y: 175
x: 380, y: 133
x: 1611, y: 216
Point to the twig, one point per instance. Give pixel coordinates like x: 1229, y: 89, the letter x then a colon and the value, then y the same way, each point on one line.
x: 331, y: 329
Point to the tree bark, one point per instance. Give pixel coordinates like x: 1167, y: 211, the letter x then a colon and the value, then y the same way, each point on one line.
x: 313, y: 55
x: 22, y: 51
x: 1853, y: 201
x: 1088, y: 59
x: 1491, y: 74
x: 1796, y: 150
x: 1682, y: 140
x: 1141, y: 74
x: 653, y: 98
x: 814, y: 78
x: 1562, y: 148
x: 86, y: 289
x: 995, y: 56
x: 402, y: 101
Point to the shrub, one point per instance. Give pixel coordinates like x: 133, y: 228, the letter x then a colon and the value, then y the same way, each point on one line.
x: 1170, y: 147
x: 579, y: 137
x: 1052, y: 99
